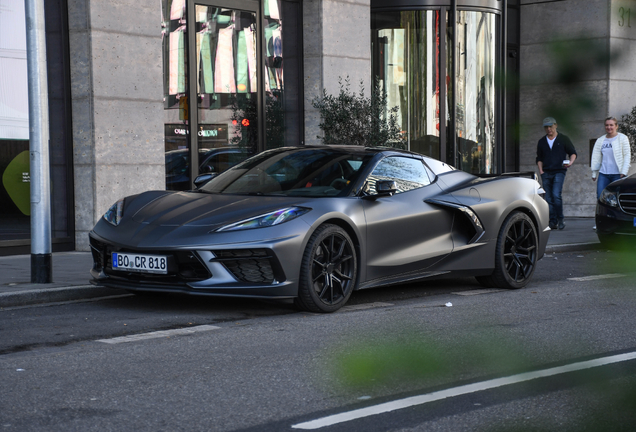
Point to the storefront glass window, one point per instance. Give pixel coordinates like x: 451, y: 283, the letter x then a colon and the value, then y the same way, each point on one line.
x: 407, y: 64
x: 283, y: 45
x: 15, y: 206
x: 440, y: 73
x: 227, y: 83
x: 475, y: 49
x: 15, y: 186
x: 274, y: 97
x: 247, y: 96
x: 175, y: 96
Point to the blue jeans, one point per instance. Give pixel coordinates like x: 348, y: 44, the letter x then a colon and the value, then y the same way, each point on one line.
x: 603, y: 180
x: 553, y: 186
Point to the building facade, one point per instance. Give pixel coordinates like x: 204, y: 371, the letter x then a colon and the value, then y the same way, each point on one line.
x: 147, y: 95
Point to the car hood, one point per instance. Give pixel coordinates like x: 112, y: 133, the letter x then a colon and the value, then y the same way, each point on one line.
x: 627, y: 184
x: 201, y: 209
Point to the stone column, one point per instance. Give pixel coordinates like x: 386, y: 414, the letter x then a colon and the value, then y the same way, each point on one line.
x: 622, y: 84
x: 337, y: 44
x: 116, y: 90
x: 581, y: 30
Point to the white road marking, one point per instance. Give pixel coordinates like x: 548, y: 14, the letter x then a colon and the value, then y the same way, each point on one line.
x: 159, y: 334
x: 597, y: 277
x: 458, y: 391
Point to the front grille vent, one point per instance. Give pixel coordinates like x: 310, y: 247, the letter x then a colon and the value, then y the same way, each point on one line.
x: 97, y: 250
x: 251, y: 265
x: 183, y: 266
x: 627, y: 201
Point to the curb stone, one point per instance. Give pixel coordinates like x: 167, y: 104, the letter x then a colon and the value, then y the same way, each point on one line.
x: 84, y: 292
x: 52, y: 295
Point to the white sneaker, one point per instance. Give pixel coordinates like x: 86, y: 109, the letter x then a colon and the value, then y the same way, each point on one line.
x: 594, y: 228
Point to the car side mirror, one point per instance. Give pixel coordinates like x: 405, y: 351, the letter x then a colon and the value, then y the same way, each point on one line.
x: 386, y: 187
x: 206, y: 169
x: 383, y: 188
x: 203, y: 179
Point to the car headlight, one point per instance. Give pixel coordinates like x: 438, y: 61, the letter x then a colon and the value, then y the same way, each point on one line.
x: 269, y: 219
x: 115, y: 213
x: 608, y: 198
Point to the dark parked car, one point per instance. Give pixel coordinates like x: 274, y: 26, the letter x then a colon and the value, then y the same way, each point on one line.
x: 211, y: 161
x: 616, y: 212
x: 178, y: 168
x: 220, y: 159
x: 315, y: 223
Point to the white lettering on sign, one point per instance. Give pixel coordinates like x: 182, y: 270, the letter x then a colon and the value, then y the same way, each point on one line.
x: 208, y: 133
x: 26, y: 177
x: 201, y: 133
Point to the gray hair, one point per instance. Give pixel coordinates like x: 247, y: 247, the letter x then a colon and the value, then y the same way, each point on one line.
x: 613, y: 119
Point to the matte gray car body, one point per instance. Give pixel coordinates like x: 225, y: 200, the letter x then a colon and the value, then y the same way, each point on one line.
x: 451, y: 225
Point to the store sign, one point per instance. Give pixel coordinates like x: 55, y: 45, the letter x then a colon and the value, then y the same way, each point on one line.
x: 214, y: 133
x: 217, y: 132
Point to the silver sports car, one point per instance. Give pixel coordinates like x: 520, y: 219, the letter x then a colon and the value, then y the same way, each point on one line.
x: 315, y: 223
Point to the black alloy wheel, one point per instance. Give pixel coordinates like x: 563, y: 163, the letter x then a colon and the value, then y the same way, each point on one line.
x: 515, y: 254
x: 329, y: 270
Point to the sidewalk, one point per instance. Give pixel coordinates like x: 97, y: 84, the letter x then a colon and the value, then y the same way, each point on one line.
x: 71, y: 269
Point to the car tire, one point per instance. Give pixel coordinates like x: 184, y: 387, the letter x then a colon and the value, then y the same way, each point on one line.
x: 515, y: 254
x: 328, y: 272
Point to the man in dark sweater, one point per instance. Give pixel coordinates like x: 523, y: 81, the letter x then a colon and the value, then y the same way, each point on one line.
x: 555, y: 154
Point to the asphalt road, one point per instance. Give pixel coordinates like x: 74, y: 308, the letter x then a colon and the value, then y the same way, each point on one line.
x: 229, y: 365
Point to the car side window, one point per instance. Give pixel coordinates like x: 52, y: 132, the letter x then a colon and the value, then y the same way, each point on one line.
x: 218, y: 162
x: 408, y: 173
x: 438, y: 167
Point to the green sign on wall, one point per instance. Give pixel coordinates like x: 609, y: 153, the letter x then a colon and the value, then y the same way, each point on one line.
x: 16, y: 179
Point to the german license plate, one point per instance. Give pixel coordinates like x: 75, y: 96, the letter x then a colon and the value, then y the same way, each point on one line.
x: 140, y: 263
x: 635, y: 221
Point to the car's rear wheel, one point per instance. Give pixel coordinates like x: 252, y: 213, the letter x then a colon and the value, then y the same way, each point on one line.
x: 328, y: 270
x: 515, y: 253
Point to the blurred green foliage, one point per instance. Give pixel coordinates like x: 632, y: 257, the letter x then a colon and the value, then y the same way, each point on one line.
x: 627, y: 125
x: 404, y: 356
x: 404, y: 360
x: 574, y: 65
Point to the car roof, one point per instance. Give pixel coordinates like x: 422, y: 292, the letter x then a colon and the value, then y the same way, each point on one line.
x: 227, y: 149
x: 354, y: 148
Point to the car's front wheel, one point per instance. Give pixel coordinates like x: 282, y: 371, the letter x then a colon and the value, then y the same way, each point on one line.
x: 515, y: 253
x: 328, y: 270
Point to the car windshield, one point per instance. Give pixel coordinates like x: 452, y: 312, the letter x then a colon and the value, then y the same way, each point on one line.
x: 311, y: 172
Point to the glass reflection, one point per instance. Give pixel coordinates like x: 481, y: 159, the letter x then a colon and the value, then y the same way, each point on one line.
x: 175, y: 80
x: 227, y: 80
x: 226, y: 77
x: 236, y: 91
x: 15, y: 199
x: 173, y: 32
x: 274, y: 95
x: 475, y: 99
x: 406, y: 60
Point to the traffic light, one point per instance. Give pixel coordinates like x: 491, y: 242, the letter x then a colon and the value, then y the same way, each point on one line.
x: 244, y: 122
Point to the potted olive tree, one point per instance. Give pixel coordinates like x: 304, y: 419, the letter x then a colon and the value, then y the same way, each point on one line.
x: 350, y: 118
x: 628, y: 127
